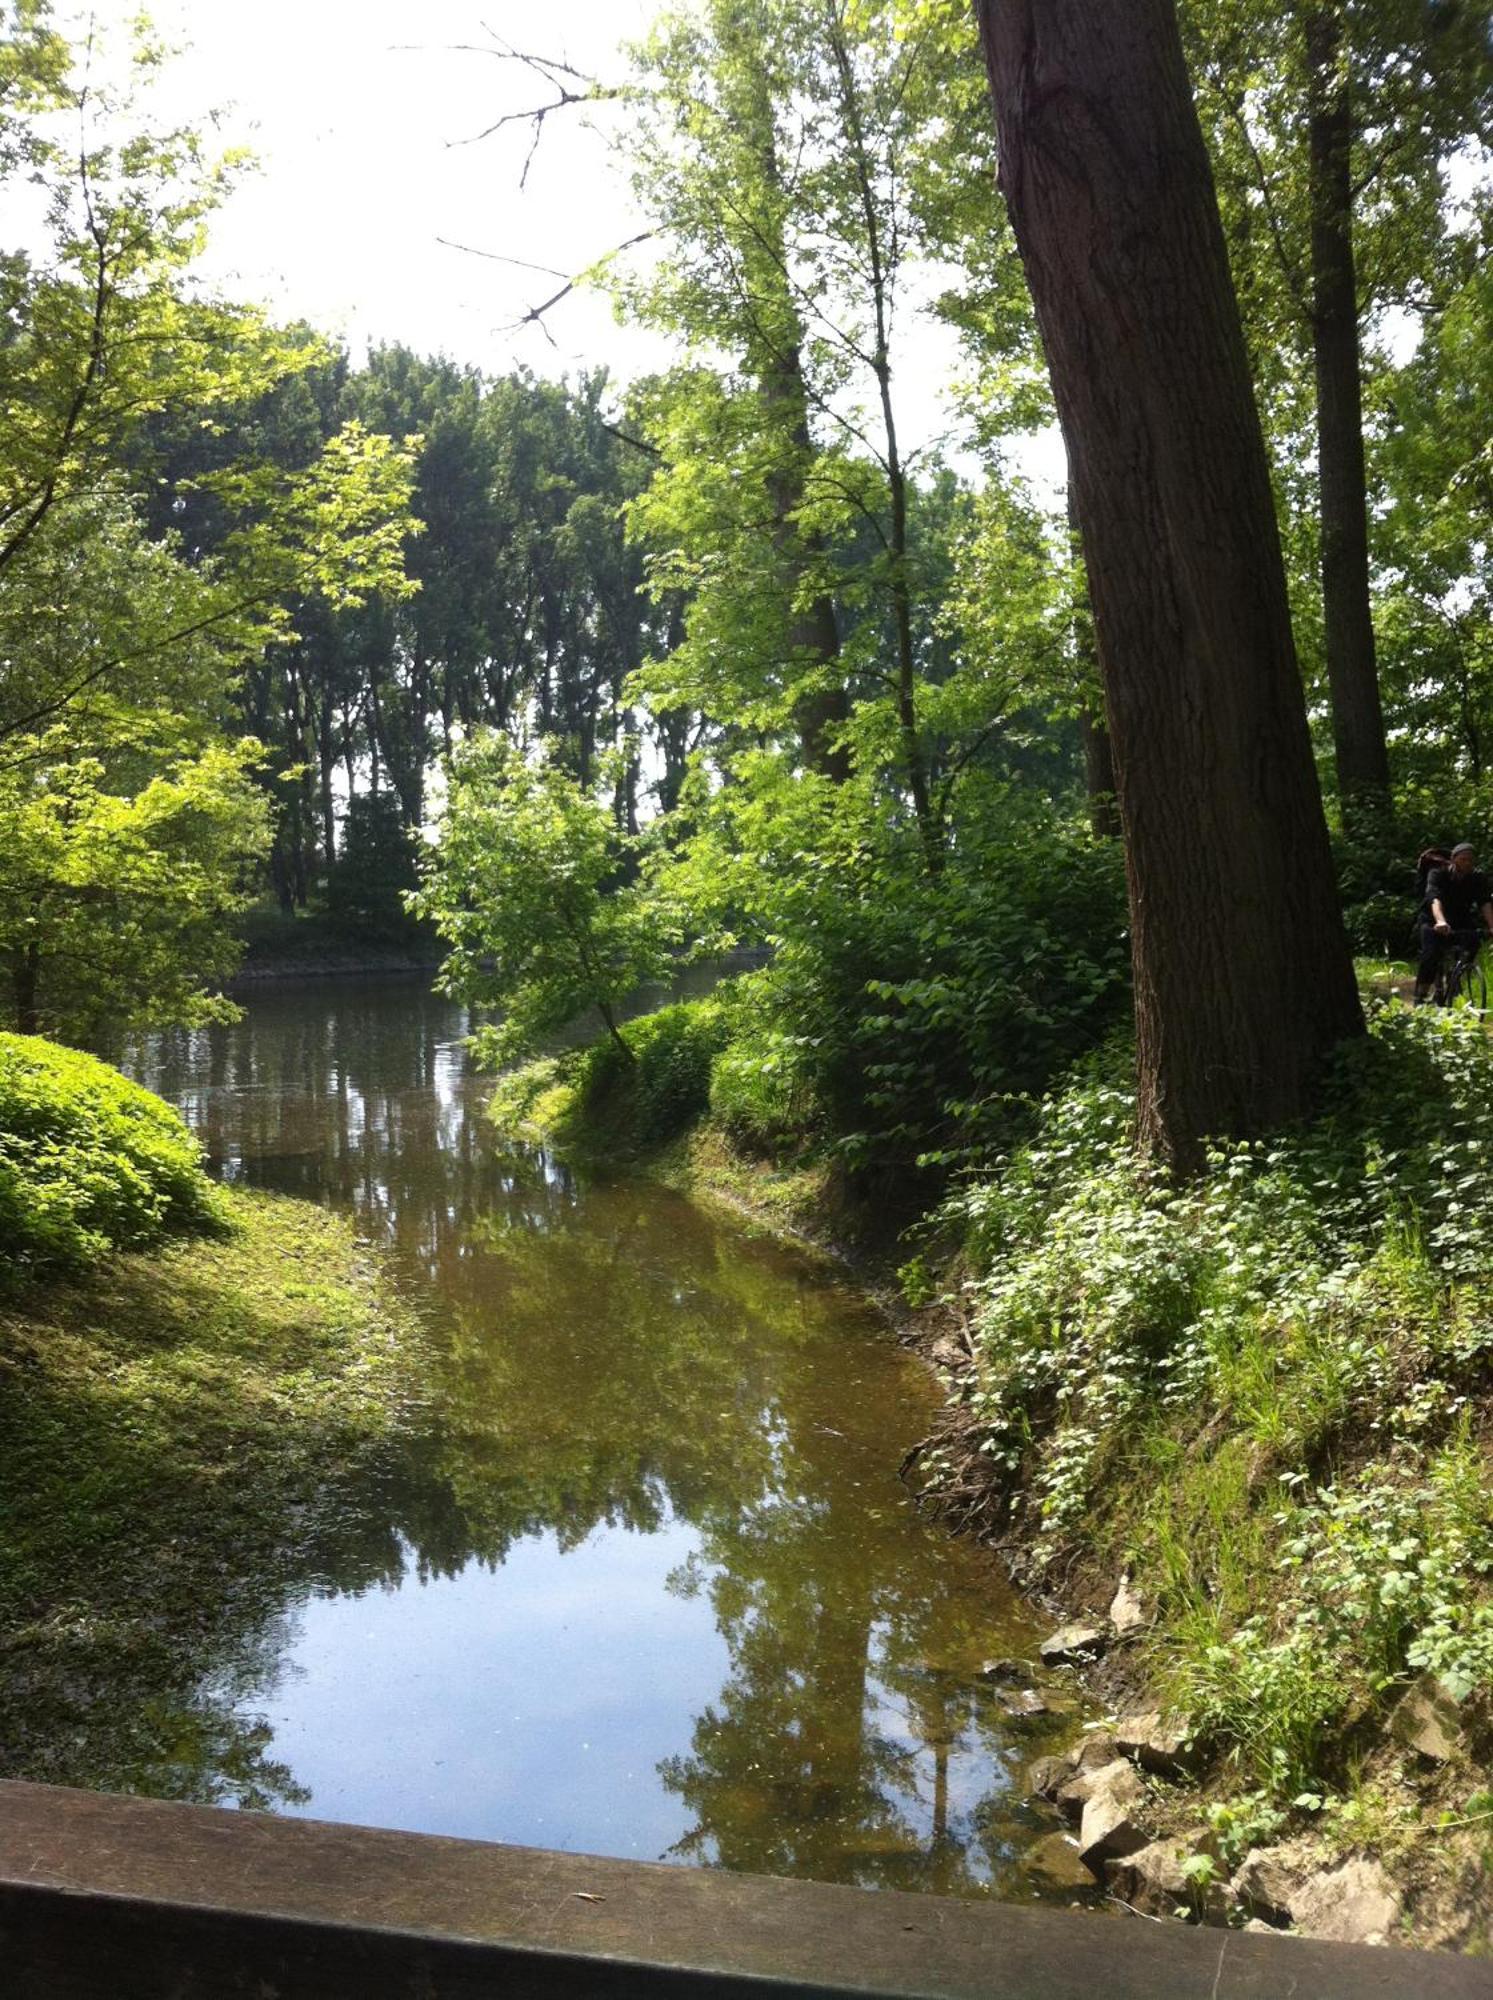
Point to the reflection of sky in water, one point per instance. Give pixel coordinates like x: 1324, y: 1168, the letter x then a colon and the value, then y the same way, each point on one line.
x: 540, y: 1708
x: 645, y: 1582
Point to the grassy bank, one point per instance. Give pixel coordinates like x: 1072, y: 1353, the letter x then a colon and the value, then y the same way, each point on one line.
x: 1266, y: 1396
x: 178, y: 1428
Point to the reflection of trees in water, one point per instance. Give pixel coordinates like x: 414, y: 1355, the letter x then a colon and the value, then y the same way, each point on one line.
x: 852, y: 1685
x: 615, y: 1360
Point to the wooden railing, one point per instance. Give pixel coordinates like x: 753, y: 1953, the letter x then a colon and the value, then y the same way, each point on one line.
x: 107, y: 1898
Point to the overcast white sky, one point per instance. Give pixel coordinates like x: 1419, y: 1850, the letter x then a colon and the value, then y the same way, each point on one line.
x: 357, y: 110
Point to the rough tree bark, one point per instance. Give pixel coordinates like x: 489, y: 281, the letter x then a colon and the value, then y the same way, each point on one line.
x: 1243, y: 979
x: 1360, y: 756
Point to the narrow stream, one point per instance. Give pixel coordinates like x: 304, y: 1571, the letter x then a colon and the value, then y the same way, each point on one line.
x: 644, y: 1581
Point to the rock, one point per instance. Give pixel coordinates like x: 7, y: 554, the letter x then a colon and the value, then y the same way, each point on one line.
x: 1046, y: 1775
x: 1156, y: 1743
x: 1021, y: 1704
x: 1258, y: 1924
x: 1354, y: 1904
x: 1081, y: 1778
x: 1266, y: 1886
x: 1016, y: 1673
x: 1097, y: 1749
x: 1057, y: 1860
x: 1073, y: 1646
x: 1126, y: 1612
x: 1428, y: 1721
x: 1109, y: 1826
x: 1153, y: 1881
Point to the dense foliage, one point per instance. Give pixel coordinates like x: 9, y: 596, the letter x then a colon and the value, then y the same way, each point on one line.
x: 89, y: 1162
x: 1271, y: 1372
x: 597, y: 679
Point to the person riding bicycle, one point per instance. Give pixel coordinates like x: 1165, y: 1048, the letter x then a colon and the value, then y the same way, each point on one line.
x: 1457, y: 892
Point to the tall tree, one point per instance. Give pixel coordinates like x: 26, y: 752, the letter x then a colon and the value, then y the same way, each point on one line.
x: 781, y: 188
x: 1108, y: 185
x: 1334, y: 124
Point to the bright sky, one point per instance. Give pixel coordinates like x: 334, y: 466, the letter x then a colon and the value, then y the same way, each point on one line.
x: 364, y: 116
x: 359, y: 111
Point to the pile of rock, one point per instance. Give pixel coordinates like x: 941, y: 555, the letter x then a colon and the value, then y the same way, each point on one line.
x: 1099, y: 1787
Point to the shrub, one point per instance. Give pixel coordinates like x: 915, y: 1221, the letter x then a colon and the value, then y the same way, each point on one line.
x: 1254, y: 1386
x: 761, y: 1083
x: 89, y: 1162
x: 909, y: 1021
x: 662, y: 1088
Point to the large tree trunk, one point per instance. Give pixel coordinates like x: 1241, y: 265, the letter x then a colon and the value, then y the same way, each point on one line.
x: 1243, y: 979
x: 1361, y: 759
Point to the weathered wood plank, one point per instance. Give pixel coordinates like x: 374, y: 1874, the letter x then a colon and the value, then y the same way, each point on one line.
x: 106, y: 1898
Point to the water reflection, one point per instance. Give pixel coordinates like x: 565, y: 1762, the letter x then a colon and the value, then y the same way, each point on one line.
x: 641, y: 1579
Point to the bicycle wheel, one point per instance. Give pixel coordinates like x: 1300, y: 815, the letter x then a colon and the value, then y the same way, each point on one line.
x: 1474, y: 985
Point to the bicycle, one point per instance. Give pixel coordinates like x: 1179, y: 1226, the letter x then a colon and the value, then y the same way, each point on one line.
x: 1461, y: 976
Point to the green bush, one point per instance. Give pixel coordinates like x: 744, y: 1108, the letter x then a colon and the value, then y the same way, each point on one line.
x: 1253, y: 1387
x: 643, y: 1099
x: 89, y: 1162
x: 761, y: 1083
x: 908, y: 1022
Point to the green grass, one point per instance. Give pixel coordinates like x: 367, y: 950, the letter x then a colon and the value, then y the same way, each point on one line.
x: 179, y: 1431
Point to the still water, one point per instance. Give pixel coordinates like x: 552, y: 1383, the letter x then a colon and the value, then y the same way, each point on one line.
x: 642, y: 1579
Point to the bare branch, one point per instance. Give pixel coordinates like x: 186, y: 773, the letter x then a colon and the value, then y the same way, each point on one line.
x: 535, y: 314
x: 552, y: 71
x: 498, y: 257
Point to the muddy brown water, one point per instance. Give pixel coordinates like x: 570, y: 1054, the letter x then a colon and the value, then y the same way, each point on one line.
x: 643, y: 1580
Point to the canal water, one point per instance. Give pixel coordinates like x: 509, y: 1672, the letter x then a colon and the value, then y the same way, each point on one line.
x: 642, y: 1580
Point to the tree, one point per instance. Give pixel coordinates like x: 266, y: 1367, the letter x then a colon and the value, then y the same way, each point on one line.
x: 128, y: 586
x: 117, y: 907
x: 1334, y: 123
x: 529, y: 885
x: 714, y: 179
x: 1108, y: 186
x: 1435, y: 547
x: 776, y: 160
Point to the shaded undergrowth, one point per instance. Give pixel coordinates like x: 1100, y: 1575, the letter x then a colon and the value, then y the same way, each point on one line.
x: 178, y: 1433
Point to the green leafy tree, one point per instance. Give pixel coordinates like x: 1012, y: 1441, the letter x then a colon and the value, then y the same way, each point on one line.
x: 117, y: 907
x: 1335, y: 125
x: 779, y: 155
x: 376, y: 869
x: 534, y: 889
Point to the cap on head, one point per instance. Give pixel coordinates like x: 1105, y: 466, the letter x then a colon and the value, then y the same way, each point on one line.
x: 1462, y: 847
